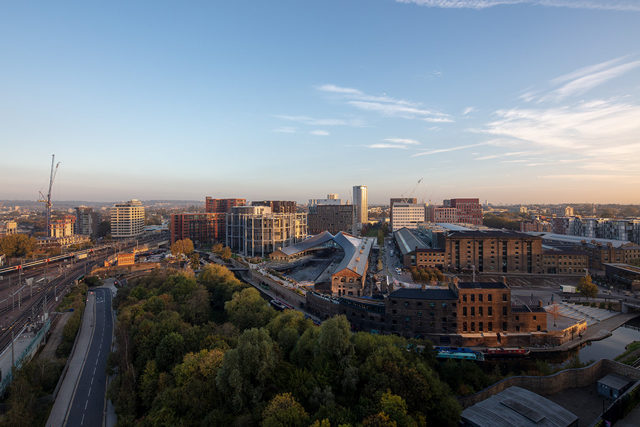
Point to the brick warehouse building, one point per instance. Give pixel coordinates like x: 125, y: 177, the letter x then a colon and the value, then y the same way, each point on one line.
x: 467, y: 313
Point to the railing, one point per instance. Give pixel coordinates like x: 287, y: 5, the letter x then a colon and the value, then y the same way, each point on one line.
x: 25, y: 355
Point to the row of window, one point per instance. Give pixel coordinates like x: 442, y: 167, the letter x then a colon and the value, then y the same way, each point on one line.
x: 472, y: 297
x: 472, y: 311
x: 481, y: 326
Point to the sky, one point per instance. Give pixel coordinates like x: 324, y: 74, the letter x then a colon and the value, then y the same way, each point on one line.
x: 511, y: 101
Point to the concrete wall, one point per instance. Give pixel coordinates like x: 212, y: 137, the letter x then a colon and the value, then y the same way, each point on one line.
x: 552, y: 384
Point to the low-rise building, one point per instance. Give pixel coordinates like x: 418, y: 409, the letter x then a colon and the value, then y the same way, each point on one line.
x: 8, y: 227
x: 559, y: 261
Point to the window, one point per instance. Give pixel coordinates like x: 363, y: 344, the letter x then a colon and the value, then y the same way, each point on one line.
x: 517, y: 317
x: 473, y: 326
x: 479, y: 311
x: 464, y: 311
x: 464, y: 298
x: 490, y: 326
x: 504, y: 297
x: 504, y: 311
x: 473, y: 297
x: 479, y: 297
x: 538, y: 328
x: 534, y: 317
x: 480, y: 326
x: 464, y: 326
x: 489, y: 311
x: 473, y: 311
x: 504, y: 326
x: 489, y: 297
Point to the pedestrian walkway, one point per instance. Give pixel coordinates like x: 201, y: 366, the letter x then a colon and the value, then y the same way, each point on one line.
x: 62, y: 404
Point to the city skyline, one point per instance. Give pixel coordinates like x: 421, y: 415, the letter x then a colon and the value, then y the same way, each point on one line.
x: 293, y: 101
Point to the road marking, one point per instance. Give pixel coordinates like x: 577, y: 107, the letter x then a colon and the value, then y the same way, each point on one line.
x: 82, y: 420
x: 85, y: 403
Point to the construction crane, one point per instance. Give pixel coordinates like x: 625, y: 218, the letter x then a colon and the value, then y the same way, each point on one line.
x: 47, y: 200
x: 413, y: 190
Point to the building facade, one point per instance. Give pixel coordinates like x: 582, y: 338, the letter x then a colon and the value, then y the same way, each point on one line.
x: 256, y: 231
x: 201, y: 228
x: 442, y: 214
x: 469, y: 211
x: 278, y: 206
x: 8, y: 227
x: 395, y: 200
x: 86, y: 221
x: 62, y: 227
x: 212, y: 205
x: 407, y: 215
x: 361, y: 204
x: 331, y: 218
x: 127, y: 219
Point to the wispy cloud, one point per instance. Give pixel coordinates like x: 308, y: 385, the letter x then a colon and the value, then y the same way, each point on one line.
x: 621, y: 5
x: 606, y: 130
x: 385, y: 105
x: 582, y: 80
x: 468, y: 111
x: 445, y: 150
x: 285, y: 129
x: 397, y: 146
x: 312, y: 121
x: 319, y: 132
x: 404, y: 141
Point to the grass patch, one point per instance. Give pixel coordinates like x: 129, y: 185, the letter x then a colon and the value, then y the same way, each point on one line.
x: 627, y: 358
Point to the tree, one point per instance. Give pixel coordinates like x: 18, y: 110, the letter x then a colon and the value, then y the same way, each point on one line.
x: 396, y: 408
x: 104, y: 228
x: 225, y: 254
x: 169, y: 351
x: 247, y: 309
x: 194, y: 261
x: 182, y: 247
x: 17, y: 245
x: 248, y: 369
x: 217, y: 248
x: 586, y: 287
x: 284, y: 410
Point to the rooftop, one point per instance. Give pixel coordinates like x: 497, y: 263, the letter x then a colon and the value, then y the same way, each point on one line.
x: 614, y: 381
x: 626, y: 267
x: 408, y: 241
x: 482, y: 285
x: 581, y: 239
x: 517, y: 406
x: 493, y: 233
x: 429, y: 293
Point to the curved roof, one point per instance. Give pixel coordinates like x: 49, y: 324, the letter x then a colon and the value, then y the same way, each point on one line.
x: 356, y: 250
x: 310, y: 243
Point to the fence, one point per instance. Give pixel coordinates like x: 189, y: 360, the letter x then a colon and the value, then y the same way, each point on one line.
x: 26, y: 355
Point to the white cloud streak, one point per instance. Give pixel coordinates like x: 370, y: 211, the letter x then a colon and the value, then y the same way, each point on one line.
x: 448, y: 149
x: 619, y: 5
x: 397, y: 146
x: 285, y: 129
x: 404, y: 141
x: 321, y: 122
x: 319, y: 132
x: 385, y: 105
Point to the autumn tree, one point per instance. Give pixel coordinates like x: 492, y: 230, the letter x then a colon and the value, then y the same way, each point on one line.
x: 284, y: 410
x: 182, y: 247
x: 226, y: 253
x: 17, y: 245
x: 586, y: 287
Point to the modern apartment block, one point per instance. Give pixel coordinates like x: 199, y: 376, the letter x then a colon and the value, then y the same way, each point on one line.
x: 278, y: 206
x: 257, y: 231
x: 331, y: 218
x: 212, y: 205
x: 8, y: 227
x: 407, y: 215
x: 127, y: 219
x: 395, y: 200
x: 598, y: 228
x: 201, y: 228
x: 469, y: 211
x: 360, y: 202
x: 86, y: 221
